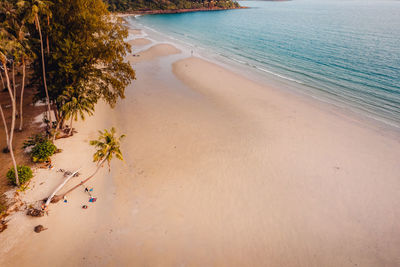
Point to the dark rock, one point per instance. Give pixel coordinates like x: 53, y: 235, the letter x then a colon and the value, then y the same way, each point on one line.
x: 39, y: 228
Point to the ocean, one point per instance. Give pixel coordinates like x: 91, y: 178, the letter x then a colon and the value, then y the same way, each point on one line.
x: 344, y: 52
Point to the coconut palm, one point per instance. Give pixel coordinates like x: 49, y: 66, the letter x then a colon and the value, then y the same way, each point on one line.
x: 9, y: 32
x: 32, y: 9
x: 8, y: 48
x: 24, y: 53
x: 14, y: 28
x: 108, y: 145
x: 75, y: 103
x: 3, y: 60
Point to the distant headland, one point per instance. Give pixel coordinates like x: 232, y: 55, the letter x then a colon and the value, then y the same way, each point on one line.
x: 172, y: 11
x: 169, y: 6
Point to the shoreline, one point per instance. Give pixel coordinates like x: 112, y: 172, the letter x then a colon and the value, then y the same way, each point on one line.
x: 276, y: 81
x: 171, y: 11
x: 220, y: 170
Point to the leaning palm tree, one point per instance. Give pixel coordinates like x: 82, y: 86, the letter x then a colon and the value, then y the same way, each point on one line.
x: 108, y: 145
x: 34, y: 8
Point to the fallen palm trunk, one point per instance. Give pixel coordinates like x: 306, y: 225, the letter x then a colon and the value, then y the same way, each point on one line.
x: 59, y: 188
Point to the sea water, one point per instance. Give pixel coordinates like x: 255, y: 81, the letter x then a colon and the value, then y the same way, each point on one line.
x: 347, y: 51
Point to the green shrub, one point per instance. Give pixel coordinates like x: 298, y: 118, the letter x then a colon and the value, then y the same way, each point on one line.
x: 34, y: 139
x: 24, y: 174
x: 43, y: 151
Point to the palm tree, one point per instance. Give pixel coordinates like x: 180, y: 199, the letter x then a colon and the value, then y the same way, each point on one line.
x: 108, y: 145
x: 14, y: 28
x: 3, y: 60
x: 75, y: 103
x: 24, y: 54
x: 33, y: 9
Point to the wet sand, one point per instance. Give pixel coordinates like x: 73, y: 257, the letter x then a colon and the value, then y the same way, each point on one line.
x: 222, y: 171
x: 139, y: 42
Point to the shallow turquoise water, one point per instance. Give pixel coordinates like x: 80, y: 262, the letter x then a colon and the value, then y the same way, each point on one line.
x: 347, y: 51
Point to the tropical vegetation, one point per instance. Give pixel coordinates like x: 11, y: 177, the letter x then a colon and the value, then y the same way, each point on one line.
x: 71, y: 55
x: 144, y: 5
x: 42, y: 151
x: 24, y: 174
x: 108, y: 146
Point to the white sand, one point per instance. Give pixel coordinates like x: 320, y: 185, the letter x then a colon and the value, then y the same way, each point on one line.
x: 139, y: 42
x: 154, y: 52
x: 135, y: 31
x: 221, y: 171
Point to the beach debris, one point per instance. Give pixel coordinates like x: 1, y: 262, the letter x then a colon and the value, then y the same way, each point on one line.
x: 44, y: 165
x: 39, y: 228
x: 92, y: 199
x: 35, y: 212
x: 84, y: 207
x: 3, y: 225
x: 65, y: 199
x: 68, y: 173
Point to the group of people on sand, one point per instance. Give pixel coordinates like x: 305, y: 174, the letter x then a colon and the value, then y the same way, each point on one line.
x: 87, y: 190
x: 91, y: 199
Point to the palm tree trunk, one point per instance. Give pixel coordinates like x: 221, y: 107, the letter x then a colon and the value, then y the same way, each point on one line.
x: 59, y: 197
x: 56, y: 113
x: 70, y: 126
x: 47, y: 37
x: 55, y: 131
x: 5, y: 124
x: 13, y: 79
x: 12, y: 123
x: 48, y: 46
x: 87, y: 179
x: 57, y: 118
x: 2, y: 81
x: 44, y: 69
x: 22, y: 95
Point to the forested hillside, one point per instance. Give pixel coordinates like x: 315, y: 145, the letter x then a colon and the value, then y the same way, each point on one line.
x: 143, y: 5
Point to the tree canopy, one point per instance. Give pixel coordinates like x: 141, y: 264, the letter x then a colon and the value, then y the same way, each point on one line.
x: 142, y: 5
x: 87, y: 51
x: 74, y: 51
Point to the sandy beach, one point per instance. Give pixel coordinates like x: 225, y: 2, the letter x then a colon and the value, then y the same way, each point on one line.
x: 139, y: 42
x: 219, y: 171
